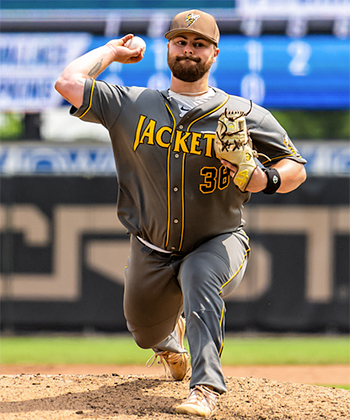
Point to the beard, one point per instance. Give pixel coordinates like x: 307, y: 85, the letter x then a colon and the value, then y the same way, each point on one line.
x: 188, y: 69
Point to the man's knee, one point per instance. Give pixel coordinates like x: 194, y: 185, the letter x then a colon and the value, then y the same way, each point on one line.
x: 143, y: 342
x: 143, y: 337
x: 149, y: 337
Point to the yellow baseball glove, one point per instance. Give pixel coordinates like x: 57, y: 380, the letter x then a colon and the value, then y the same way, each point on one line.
x: 233, y: 143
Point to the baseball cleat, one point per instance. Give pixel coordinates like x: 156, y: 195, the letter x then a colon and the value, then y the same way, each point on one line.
x: 177, y: 363
x: 201, y: 402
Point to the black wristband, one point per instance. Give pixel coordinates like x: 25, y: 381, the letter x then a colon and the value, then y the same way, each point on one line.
x: 273, y: 180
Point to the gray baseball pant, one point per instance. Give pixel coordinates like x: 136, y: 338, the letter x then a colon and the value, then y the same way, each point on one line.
x: 160, y: 287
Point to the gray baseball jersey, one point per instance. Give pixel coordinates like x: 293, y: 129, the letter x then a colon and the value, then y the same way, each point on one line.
x: 173, y: 191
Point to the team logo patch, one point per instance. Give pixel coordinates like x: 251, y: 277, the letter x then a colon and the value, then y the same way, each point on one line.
x: 191, y: 18
x: 275, y: 179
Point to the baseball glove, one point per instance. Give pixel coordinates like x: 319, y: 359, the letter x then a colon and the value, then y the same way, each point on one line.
x: 233, y: 143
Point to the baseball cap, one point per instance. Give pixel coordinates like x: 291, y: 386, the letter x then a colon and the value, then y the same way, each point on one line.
x: 195, y: 21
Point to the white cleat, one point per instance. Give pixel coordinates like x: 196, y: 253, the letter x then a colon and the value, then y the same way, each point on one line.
x: 201, y: 402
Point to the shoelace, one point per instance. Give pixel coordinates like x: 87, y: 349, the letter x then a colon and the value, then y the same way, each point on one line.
x: 151, y: 361
x: 166, y: 358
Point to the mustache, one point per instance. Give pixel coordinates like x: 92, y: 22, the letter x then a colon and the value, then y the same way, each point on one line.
x: 185, y: 57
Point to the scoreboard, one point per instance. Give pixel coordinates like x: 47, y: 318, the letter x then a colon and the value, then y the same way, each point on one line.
x: 275, y: 71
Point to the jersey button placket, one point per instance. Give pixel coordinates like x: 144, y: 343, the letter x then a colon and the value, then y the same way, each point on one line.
x: 176, y: 206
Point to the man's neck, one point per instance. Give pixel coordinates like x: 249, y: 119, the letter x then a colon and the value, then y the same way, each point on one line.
x: 200, y: 87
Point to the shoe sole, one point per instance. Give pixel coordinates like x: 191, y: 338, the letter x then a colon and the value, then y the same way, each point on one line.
x: 192, y: 410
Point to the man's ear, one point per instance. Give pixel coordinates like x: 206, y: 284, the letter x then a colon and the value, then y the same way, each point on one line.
x: 216, y: 53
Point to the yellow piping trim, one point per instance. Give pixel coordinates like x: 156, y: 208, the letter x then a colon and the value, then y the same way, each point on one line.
x: 208, y: 113
x: 183, y: 201
x: 238, y: 270
x: 221, y: 321
x: 278, y: 157
x: 223, y: 304
x: 168, y: 176
x: 92, y: 90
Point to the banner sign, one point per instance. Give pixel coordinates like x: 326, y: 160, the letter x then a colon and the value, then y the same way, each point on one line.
x: 56, y: 160
x: 30, y: 65
x: 274, y: 71
x: 323, y: 159
x: 64, y: 251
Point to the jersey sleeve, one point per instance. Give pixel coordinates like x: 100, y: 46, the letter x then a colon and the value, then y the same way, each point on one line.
x: 102, y: 103
x: 270, y: 139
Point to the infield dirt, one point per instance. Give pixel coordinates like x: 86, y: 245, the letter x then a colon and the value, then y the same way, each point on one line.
x: 120, y: 396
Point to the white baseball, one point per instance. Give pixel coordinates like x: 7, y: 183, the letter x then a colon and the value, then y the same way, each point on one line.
x: 135, y: 42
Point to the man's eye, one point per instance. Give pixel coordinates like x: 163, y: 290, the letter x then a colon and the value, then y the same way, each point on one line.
x: 199, y: 45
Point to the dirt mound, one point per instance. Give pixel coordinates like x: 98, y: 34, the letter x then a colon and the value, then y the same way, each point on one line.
x: 129, y: 397
x: 303, y: 374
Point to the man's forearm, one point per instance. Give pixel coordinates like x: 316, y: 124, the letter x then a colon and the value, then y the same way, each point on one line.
x: 71, y: 82
x: 90, y: 64
x: 292, y: 175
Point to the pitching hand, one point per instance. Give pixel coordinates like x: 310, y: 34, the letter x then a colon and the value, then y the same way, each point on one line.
x: 122, y: 53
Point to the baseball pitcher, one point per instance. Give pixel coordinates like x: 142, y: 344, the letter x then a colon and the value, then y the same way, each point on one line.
x: 187, y: 159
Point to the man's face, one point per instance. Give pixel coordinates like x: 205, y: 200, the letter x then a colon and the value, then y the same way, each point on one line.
x: 190, y: 56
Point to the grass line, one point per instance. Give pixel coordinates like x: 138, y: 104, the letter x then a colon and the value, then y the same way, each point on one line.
x: 121, y: 350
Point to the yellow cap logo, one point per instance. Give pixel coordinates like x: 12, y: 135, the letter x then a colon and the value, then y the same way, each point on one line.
x: 191, y: 18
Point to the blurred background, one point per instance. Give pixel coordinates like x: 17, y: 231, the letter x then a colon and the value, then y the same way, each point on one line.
x: 63, y: 251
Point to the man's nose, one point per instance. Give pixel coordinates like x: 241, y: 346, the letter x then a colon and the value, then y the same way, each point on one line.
x: 188, y: 49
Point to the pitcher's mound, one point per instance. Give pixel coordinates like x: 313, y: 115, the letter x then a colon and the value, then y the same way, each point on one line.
x: 131, y: 397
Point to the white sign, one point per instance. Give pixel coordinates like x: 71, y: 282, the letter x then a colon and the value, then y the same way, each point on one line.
x: 30, y: 65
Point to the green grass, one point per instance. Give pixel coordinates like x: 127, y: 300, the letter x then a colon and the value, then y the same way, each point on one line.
x: 287, y: 351
x: 347, y: 387
x: 71, y: 350
x: 11, y: 125
x: 122, y: 350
